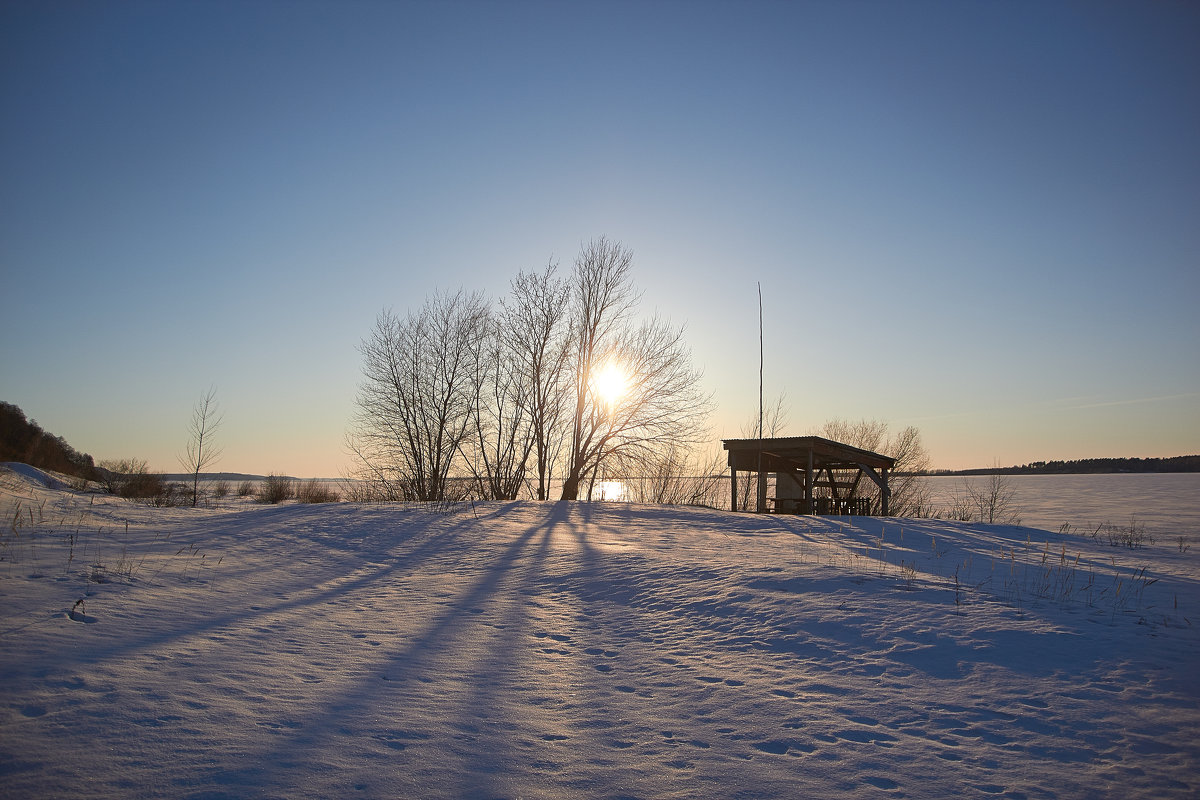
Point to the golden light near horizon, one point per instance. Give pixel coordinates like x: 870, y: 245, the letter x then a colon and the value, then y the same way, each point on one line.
x: 610, y: 383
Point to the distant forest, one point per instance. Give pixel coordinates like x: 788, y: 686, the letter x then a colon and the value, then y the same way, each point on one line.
x: 24, y: 440
x: 1087, y: 466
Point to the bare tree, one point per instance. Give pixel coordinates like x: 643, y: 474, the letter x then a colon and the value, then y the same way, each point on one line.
x: 909, y: 492
x: 497, y: 452
x: 773, y: 422
x: 201, y: 453
x: 602, y: 297
x: 415, y: 403
x: 678, y: 475
x: 661, y: 403
x: 995, y: 500
x: 454, y: 387
x: 660, y: 408
x: 535, y: 322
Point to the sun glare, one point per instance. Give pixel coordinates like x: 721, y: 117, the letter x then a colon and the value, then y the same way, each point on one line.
x: 610, y: 383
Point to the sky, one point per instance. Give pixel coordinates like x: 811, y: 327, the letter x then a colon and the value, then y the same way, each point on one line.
x: 979, y: 219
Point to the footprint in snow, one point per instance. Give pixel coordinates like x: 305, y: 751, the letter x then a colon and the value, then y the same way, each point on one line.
x: 862, y: 720
x: 989, y: 788
x: 399, y: 739
x: 781, y: 747
x: 866, y: 737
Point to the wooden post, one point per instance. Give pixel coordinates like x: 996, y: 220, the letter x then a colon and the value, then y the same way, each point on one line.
x: 885, y: 492
x: 762, y: 491
x: 732, y: 488
x: 808, y: 484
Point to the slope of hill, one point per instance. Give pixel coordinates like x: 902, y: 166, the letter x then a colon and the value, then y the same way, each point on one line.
x: 23, y: 440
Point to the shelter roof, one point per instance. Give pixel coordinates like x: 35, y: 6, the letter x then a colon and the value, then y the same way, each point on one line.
x: 792, y: 452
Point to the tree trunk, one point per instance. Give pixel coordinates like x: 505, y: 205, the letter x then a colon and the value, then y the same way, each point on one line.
x: 570, y: 489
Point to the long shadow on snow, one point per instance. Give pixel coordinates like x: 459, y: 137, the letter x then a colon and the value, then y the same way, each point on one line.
x: 742, y: 626
x: 944, y: 544
x: 437, y: 540
x: 393, y: 672
x: 491, y: 717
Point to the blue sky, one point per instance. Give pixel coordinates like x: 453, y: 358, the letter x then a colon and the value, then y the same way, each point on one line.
x: 975, y: 218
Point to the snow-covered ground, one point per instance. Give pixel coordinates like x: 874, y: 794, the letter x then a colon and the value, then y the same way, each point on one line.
x: 532, y: 650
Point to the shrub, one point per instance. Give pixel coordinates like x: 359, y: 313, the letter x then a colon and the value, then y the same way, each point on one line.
x: 171, y: 495
x: 221, y: 489
x: 995, y: 500
x: 245, y: 489
x: 276, y: 489
x: 145, y: 486
x: 314, y: 491
x: 1131, y: 535
x: 129, y: 478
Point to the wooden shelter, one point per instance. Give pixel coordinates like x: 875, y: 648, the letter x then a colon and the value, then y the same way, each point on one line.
x: 812, y: 475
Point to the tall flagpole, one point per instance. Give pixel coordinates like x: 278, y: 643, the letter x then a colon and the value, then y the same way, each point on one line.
x: 760, y: 364
x: 759, y: 499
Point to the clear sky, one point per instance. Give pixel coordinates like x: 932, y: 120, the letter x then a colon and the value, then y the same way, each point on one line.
x: 979, y: 218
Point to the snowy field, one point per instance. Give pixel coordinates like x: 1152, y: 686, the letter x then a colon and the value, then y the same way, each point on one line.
x: 557, y: 650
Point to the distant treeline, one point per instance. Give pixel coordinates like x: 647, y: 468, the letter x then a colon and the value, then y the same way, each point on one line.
x: 24, y: 440
x: 1087, y: 466
x: 184, y: 477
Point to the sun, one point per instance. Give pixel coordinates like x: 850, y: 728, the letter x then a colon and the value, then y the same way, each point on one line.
x: 610, y: 383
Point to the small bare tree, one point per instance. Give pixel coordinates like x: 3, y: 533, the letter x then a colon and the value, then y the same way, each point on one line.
x: 201, y: 453
x: 415, y: 403
x: 910, y: 495
x: 678, y: 475
x: 995, y: 500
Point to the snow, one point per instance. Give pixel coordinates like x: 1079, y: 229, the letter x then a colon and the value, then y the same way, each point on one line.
x: 609, y: 650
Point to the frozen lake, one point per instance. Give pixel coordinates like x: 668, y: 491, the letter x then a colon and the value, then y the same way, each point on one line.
x: 1168, y: 504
